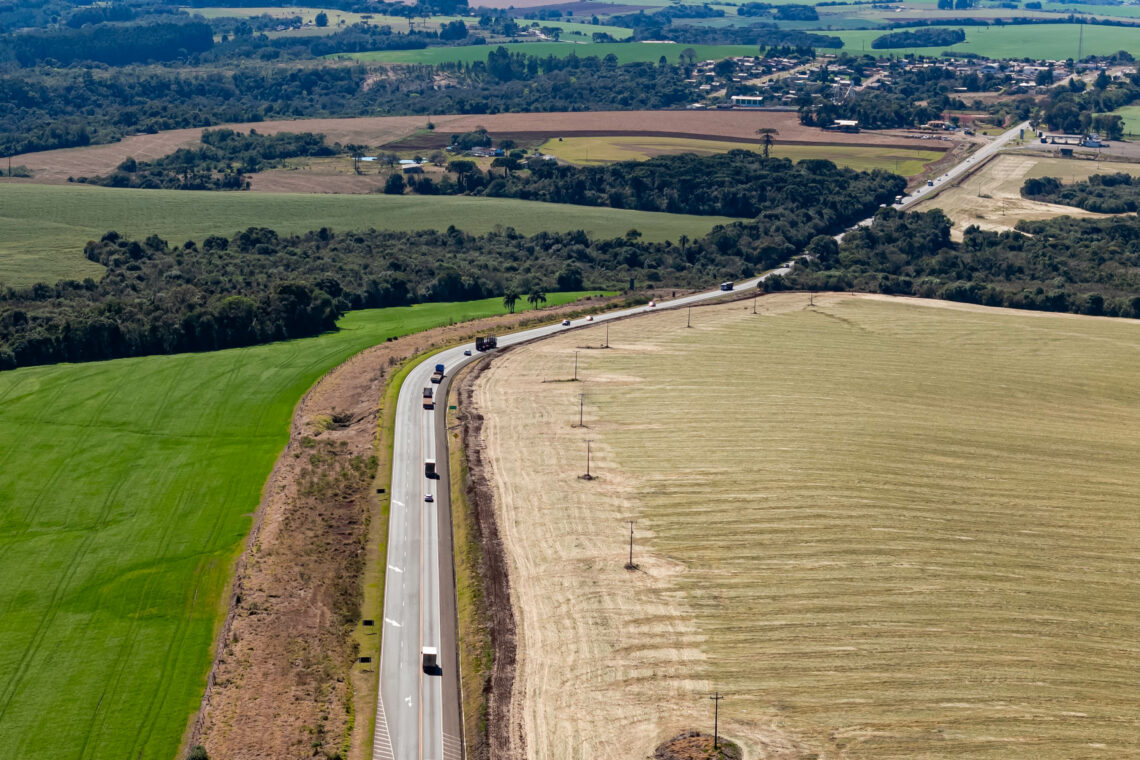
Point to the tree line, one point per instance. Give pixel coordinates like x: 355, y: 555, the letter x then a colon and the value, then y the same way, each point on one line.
x: 930, y: 37
x: 258, y: 286
x: 1082, y: 266
x: 46, y: 107
x: 112, y: 44
x: 817, y: 194
x: 221, y: 163
x: 1116, y: 193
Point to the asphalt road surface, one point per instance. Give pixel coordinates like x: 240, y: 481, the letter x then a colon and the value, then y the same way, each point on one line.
x: 417, y: 715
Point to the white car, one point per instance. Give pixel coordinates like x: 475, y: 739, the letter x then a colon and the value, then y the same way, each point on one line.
x: 652, y: 304
x: 590, y: 318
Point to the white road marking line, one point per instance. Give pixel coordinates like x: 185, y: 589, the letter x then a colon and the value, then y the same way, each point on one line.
x: 396, y: 569
x: 393, y: 622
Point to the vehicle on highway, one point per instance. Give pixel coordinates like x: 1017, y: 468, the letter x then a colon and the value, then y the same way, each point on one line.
x: 726, y: 286
x: 486, y: 342
x: 467, y: 352
x: 429, y: 401
x: 566, y: 323
x: 431, y: 657
x: 590, y: 318
x: 429, y: 468
x: 429, y: 498
x: 930, y: 183
x: 437, y: 376
x: 652, y: 304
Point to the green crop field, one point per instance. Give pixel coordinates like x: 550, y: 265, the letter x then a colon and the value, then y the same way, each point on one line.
x: 1131, y: 116
x: 626, y: 52
x: 126, y: 489
x: 594, y: 151
x: 1056, y: 41
x: 43, y: 227
x: 891, y: 529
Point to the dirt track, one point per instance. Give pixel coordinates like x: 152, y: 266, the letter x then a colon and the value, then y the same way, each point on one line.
x: 55, y: 166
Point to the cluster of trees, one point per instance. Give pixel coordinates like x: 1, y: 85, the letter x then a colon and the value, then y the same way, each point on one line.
x: 219, y: 164
x: 931, y: 37
x: 113, y: 44
x: 259, y: 286
x: 1077, y: 108
x: 1116, y: 193
x: 1085, y: 266
x: 663, y: 25
x: 46, y: 107
x: 815, y: 193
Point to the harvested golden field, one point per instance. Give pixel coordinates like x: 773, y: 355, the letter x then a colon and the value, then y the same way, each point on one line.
x: 882, y: 528
x: 991, y: 197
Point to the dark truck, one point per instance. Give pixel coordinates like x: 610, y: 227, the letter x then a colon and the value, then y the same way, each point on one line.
x: 429, y: 401
x: 486, y: 343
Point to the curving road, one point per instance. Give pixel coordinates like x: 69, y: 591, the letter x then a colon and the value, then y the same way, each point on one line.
x: 417, y: 714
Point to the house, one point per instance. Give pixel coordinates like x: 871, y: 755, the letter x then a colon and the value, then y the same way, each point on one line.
x: 747, y: 101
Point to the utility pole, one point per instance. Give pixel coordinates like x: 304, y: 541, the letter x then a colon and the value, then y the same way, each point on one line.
x: 716, y: 698
x: 607, y: 334
x: 811, y: 298
x: 587, y: 476
x: 754, y: 303
x: 581, y: 403
x: 575, y: 365
x: 629, y: 565
x: 689, y: 317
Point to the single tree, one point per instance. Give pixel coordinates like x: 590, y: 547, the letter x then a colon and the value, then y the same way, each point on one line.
x: 536, y: 297
x: 510, y: 298
x: 767, y: 144
x: 322, y: 19
x: 395, y: 185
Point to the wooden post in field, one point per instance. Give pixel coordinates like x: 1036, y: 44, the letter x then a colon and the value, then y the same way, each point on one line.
x: 629, y: 565
x: 716, y: 698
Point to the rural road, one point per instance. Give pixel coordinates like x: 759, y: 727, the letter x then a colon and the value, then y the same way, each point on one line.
x: 417, y: 712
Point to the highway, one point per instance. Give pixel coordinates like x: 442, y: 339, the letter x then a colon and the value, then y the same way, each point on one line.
x: 417, y: 713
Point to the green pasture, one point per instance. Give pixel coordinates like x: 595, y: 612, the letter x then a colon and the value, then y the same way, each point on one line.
x: 1054, y: 41
x: 1131, y: 116
x: 126, y: 490
x: 626, y: 52
x: 43, y: 227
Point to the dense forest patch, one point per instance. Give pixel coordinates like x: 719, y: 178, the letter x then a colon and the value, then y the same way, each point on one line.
x: 1083, y: 266
x: 1115, y: 193
x: 931, y: 37
x: 260, y: 286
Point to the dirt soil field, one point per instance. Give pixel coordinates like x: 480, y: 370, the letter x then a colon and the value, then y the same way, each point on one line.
x: 882, y: 528
x: 991, y: 196
x: 55, y: 166
x: 279, y: 686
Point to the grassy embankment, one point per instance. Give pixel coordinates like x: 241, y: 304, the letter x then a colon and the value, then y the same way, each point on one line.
x: 126, y: 490
x: 43, y: 227
x: 594, y: 151
x: 900, y: 530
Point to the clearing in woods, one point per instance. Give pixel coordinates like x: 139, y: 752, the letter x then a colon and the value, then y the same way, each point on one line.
x: 595, y: 151
x: 126, y: 490
x: 880, y: 527
x: 43, y: 227
x: 990, y: 198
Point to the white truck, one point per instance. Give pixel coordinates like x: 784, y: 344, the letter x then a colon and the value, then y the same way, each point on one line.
x: 431, y: 658
x: 429, y: 468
